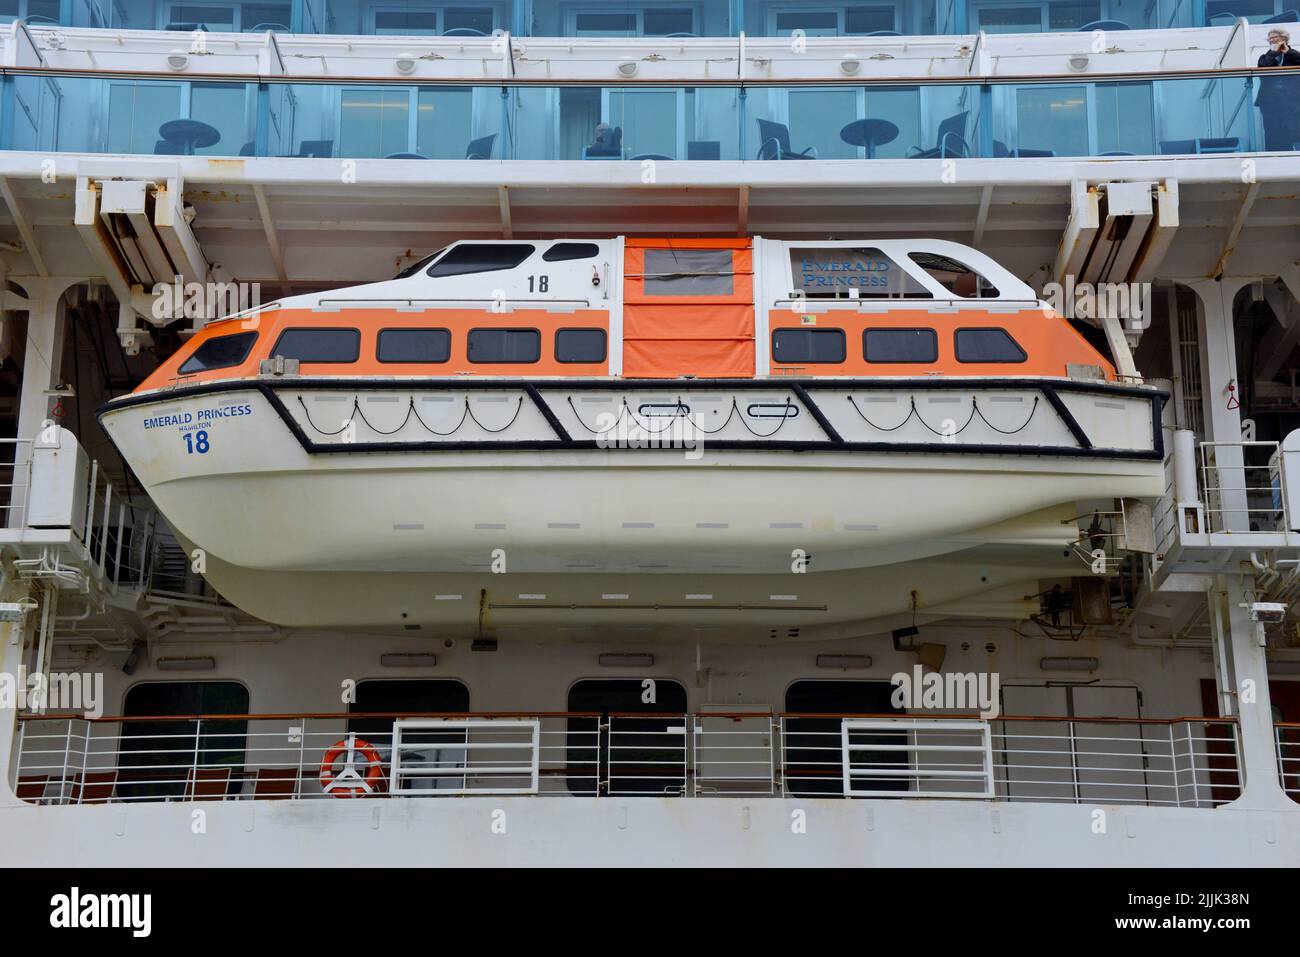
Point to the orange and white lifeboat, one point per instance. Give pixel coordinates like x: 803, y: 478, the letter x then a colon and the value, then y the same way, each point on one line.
x: 619, y: 417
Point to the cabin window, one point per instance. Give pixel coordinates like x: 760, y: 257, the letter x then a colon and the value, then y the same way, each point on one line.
x: 470, y: 258
x: 900, y: 345
x: 580, y: 345
x: 808, y: 345
x: 319, y: 345
x: 220, y: 353
x: 842, y: 273
x: 813, y: 757
x: 689, y: 272
x: 988, y: 345
x: 636, y: 755
x: 414, y: 345
x: 149, y: 769
x: 564, y: 252
x: 505, y: 345
x: 958, y: 279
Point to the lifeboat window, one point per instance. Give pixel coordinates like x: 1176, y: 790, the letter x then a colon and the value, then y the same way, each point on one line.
x: 220, y: 353
x: 480, y: 257
x: 808, y: 345
x: 505, y: 345
x: 822, y: 273
x: 563, y: 252
x: 580, y: 345
x: 900, y: 345
x: 957, y: 278
x: 988, y: 345
x: 689, y: 272
x: 319, y: 345
x: 414, y: 345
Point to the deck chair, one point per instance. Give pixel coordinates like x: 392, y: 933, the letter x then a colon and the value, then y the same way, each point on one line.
x: 207, y: 784
x: 481, y: 148
x: 775, y: 143
x: 316, y: 148
x: 275, y: 784
x: 93, y: 787
x: 704, y: 149
x: 950, y: 141
x: 31, y: 787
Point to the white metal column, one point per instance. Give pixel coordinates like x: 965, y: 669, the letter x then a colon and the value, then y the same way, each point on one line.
x: 1221, y: 393
x: 1241, y: 673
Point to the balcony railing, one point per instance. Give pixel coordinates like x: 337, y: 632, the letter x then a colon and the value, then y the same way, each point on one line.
x: 882, y: 120
x: 1287, y: 735
x: 1180, y: 762
x: 624, y: 18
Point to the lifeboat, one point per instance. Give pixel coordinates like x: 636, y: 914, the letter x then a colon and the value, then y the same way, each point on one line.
x: 767, y: 435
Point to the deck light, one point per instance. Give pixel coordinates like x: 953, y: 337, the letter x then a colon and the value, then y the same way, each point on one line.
x: 628, y: 68
x: 192, y: 663
x: 408, y: 660
x: 626, y: 660
x: 178, y: 60
x: 405, y: 63
x: 850, y: 65
x: 843, y: 661
x: 1070, y: 663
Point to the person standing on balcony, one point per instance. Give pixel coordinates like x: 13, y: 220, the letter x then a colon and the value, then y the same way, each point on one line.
x: 1279, y: 96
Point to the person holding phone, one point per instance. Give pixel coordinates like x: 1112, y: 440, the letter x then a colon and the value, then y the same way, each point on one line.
x: 1279, y: 96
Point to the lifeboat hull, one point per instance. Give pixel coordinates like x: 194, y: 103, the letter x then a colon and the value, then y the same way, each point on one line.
x: 308, y: 476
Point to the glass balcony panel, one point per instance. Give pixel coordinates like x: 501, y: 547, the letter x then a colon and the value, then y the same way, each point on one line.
x: 1225, y: 12
x: 1054, y: 117
x: 35, y: 12
x: 230, y: 109
x: 1064, y: 16
x: 618, y: 123
x: 135, y: 113
x: 630, y: 18
x: 857, y: 122
x: 1211, y: 115
x: 174, y: 116
x: 1126, y: 118
x: 782, y: 18
x: 468, y: 18
x: 149, y: 117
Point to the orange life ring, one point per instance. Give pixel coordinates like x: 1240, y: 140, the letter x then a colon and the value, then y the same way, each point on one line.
x: 369, y: 783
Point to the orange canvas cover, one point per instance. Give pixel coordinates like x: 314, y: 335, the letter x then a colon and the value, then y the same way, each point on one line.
x: 708, y: 336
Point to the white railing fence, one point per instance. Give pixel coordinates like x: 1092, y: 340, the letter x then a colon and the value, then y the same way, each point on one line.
x: 1185, y: 762
x: 1288, y: 757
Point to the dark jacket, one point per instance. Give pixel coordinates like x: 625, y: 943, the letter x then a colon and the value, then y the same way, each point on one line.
x: 1275, y: 91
